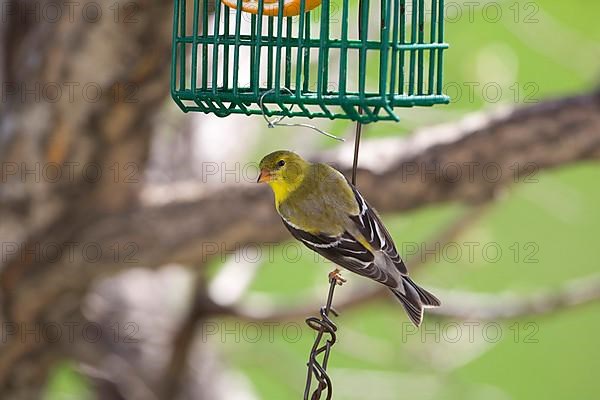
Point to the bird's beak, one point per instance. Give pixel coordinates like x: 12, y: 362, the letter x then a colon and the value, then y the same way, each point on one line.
x: 265, y: 176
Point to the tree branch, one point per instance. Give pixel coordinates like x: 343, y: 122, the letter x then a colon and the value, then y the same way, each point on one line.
x: 491, y: 307
x: 457, y: 305
x: 415, y: 171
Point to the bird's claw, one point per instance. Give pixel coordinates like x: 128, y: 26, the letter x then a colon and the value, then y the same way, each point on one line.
x: 336, y: 276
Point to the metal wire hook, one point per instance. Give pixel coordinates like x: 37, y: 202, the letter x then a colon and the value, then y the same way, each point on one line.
x: 277, y: 120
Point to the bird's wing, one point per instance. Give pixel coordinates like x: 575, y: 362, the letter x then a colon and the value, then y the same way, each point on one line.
x: 346, y: 251
x: 370, y: 226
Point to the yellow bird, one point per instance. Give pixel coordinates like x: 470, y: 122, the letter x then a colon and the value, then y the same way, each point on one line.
x: 329, y: 215
x: 271, y: 7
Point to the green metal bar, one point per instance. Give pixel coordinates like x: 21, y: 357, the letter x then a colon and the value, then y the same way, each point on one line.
x: 394, y: 63
x: 385, y: 46
x: 204, y: 45
x: 344, y: 53
x: 285, y: 110
x: 270, y: 55
x: 177, y: 49
x: 239, y: 108
x: 372, y: 98
x: 440, y: 61
x: 312, y: 115
x: 401, y: 88
x: 247, y: 96
x: 288, y: 53
x: 306, y: 57
x: 183, y: 69
x: 253, y: 36
x: 323, y: 48
x: 210, y: 106
x: 278, y: 59
x: 279, y: 46
x: 323, y: 61
x: 370, y: 114
x: 247, y: 40
x: 432, y: 39
x: 215, y: 56
x: 421, y: 39
x: 242, y: 106
x: 236, y: 49
x: 390, y: 112
x: 255, y: 83
x: 222, y: 108
x: 174, y: 49
x: 413, y: 40
x: 227, y: 12
x: 201, y: 106
x: 299, y: 51
x: 362, y: 63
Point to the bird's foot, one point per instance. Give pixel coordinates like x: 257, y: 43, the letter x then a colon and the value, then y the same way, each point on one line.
x: 336, y: 275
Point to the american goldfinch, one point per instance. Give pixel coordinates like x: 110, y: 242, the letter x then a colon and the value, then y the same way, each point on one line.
x: 328, y: 214
x: 271, y: 7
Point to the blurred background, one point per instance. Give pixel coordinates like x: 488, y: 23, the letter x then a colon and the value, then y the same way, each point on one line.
x: 140, y: 261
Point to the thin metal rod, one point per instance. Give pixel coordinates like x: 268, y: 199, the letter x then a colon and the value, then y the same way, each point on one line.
x: 357, y: 135
x: 358, y: 131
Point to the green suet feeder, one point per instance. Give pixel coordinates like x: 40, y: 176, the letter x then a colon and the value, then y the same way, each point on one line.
x: 356, y: 61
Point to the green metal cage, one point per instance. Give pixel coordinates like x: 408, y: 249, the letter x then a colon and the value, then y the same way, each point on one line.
x: 356, y: 61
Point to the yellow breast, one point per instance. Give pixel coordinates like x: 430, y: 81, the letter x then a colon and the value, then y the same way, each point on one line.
x: 282, y: 190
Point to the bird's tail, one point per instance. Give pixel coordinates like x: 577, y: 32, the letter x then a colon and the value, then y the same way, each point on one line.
x: 414, y: 299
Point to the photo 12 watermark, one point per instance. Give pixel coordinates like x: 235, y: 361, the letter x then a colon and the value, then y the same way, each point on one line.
x: 470, y: 332
x: 70, y: 252
x: 492, y: 92
x: 492, y: 12
x: 454, y: 252
x: 251, y: 332
x: 53, y: 12
x: 68, y: 332
x: 69, y: 172
x: 429, y: 332
x: 68, y: 92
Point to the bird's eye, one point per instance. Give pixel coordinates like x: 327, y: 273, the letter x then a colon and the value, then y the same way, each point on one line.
x: 280, y: 163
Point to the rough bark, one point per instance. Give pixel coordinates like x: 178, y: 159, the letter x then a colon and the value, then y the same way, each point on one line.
x: 77, y: 94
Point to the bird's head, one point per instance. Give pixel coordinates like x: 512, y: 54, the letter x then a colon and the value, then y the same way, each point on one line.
x: 282, y: 170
